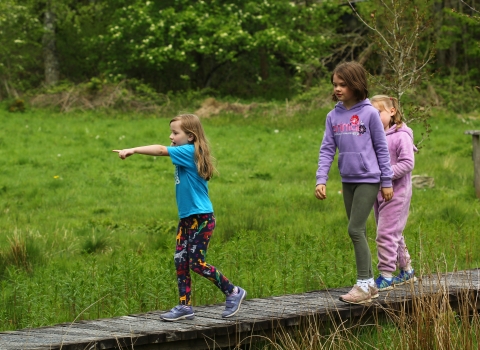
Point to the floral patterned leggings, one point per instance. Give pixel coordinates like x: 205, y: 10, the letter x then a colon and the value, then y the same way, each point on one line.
x: 193, y: 236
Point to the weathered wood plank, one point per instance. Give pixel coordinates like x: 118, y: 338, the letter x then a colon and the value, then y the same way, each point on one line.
x: 259, y: 316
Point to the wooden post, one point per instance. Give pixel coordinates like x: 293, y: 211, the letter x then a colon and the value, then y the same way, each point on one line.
x: 476, y: 158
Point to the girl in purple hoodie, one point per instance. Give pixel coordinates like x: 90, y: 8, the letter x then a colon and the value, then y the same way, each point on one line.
x: 392, y: 216
x: 355, y: 129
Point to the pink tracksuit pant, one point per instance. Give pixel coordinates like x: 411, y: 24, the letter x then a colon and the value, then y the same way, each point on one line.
x: 391, y: 220
x: 392, y: 216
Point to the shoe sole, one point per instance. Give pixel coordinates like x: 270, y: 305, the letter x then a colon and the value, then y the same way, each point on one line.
x: 184, y: 317
x: 410, y: 280
x: 356, y: 302
x: 373, y: 295
x: 386, y: 288
x: 239, y: 304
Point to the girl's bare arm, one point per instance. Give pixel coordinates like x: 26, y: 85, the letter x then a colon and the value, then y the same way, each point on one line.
x: 152, y: 150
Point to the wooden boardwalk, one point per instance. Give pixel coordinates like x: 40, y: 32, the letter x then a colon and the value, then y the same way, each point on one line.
x: 256, y: 317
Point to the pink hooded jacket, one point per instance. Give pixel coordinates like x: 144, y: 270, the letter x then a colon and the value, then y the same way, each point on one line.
x: 401, y: 149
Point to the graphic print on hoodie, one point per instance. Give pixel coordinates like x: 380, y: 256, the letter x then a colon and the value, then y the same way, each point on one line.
x: 358, y: 134
x: 355, y: 127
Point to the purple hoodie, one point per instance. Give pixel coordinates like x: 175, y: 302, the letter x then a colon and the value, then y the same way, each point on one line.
x: 358, y: 134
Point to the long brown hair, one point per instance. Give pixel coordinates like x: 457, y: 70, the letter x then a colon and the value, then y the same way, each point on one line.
x: 354, y: 76
x: 387, y: 103
x: 191, y: 125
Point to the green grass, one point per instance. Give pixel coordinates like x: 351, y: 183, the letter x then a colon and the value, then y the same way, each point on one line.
x: 86, y: 235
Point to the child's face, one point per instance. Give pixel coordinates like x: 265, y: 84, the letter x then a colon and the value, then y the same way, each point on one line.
x: 178, y: 137
x: 343, y: 92
x: 385, y: 115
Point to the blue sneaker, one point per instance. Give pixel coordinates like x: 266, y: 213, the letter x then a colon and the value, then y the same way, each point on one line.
x: 383, y: 283
x: 233, y: 303
x: 179, y: 312
x: 404, y: 277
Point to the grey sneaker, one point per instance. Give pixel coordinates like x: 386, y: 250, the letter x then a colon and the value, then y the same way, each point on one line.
x: 179, y: 312
x: 233, y: 303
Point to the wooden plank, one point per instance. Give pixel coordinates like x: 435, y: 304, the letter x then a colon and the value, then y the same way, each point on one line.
x: 122, y: 333
x: 16, y: 342
x: 104, y: 339
x: 32, y: 340
x: 245, y: 321
x: 259, y: 316
x: 185, y: 329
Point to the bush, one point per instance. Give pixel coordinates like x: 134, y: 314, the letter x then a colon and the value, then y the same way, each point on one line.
x: 17, y: 105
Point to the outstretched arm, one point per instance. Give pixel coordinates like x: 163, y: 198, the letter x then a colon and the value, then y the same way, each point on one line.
x: 153, y: 150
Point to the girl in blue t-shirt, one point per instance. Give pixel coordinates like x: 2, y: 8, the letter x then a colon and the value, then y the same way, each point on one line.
x: 190, y: 153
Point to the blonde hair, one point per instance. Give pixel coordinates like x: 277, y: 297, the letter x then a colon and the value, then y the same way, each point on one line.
x: 387, y: 103
x: 191, y: 125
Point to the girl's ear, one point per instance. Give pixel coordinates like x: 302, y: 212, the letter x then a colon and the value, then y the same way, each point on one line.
x: 191, y: 137
x: 393, y: 110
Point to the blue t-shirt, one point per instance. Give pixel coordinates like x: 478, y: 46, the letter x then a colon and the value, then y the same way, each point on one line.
x: 191, y: 190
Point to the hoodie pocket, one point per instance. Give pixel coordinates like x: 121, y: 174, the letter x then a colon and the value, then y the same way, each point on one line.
x: 351, y: 163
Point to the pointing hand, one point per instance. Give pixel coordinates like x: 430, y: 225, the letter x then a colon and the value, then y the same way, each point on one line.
x: 124, y: 153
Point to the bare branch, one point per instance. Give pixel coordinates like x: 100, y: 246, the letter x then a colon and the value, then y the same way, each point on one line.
x: 398, y: 30
x: 470, y: 7
x: 374, y: 29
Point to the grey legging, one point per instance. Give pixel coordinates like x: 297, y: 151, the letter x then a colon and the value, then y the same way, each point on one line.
x: 359, y: 199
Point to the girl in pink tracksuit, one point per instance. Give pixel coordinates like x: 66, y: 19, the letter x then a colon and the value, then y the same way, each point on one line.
x: 392, y: 216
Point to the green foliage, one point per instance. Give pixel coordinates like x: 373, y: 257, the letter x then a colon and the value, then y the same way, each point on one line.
x: 95, y: 84
x: 453, y: 93
x: 458, y: 41
x: 457, y: 95
x: 96, y: 243
x: 20, y: 31
x: 17, y: 105
x: 22, y: 253
x: 80, y: 27
x: 398, y: 29
x: 268, y: 50
x: 188, y: 42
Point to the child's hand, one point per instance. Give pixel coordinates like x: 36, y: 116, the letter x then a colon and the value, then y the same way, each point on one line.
x: 387, y: 193
x: 124, y: 153
x: 321, y: 192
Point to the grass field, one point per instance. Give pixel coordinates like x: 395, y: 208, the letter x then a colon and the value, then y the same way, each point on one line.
x: 86, y: 235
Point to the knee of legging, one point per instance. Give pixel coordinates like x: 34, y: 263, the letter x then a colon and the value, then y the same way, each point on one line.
x: 181, y: 265
x: 355, y: 233
x: 195, y: 266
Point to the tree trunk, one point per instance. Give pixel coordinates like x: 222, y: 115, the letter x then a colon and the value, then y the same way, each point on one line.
x: 453, y: 48
x: 263, y: 63
x: 50, y: 58
x: 439, y: 18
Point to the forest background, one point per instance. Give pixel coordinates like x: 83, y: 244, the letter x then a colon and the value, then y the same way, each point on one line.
x: 259, y: 50
x: 87, y: 236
